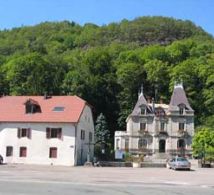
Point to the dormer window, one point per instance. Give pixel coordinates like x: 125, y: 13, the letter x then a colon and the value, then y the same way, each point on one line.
x: 181, y: 109
x: 142, y: 110
x: 162, y: 126
x: 32, y: 106
x: 159, y: 112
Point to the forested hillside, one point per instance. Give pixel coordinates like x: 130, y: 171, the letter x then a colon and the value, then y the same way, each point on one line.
x: 106, y: 65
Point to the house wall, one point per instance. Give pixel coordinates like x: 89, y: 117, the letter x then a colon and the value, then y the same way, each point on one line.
x: 38, y: 146
x: 85, y: 147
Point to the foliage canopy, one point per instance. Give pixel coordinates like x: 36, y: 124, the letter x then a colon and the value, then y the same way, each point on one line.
x: 105, y: 65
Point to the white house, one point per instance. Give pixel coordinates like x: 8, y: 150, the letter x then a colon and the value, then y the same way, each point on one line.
x: 159, y: 130
x: 57, y: 130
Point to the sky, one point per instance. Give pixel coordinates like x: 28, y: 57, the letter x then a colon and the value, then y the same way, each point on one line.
x: 16, y: 13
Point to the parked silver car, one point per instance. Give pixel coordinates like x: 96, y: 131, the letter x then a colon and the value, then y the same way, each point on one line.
x: 179, y: 163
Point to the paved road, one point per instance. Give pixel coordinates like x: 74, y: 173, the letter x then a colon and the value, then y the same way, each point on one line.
x: 45, y: 180
x: 63, y: 188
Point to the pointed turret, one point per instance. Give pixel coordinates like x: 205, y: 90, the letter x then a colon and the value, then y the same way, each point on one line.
x: 140, y: 103
x: 179, y: 98
x: 140, y: 92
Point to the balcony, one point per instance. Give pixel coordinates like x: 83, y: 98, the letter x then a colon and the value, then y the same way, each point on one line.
x: 160, y: 132
x: 182, y: 133
x: 143, y: 132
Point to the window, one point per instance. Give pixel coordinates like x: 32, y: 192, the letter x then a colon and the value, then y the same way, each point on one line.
x: 32, y: 106
x: 9, y: 151
x: 181, y: 111
x: 181, y: 126
x: 54, y: 133
x: 162, y: 126
x: 24, y: 132
x: 117, y: 143
x: 142, y: 143
x: 126, y: 143
x: 142, y: 110
x: 181, y: 159
x: 82, y: 134
x: 23, y: 152
x: 58, y: 109
x: 181, y: 143
x: 90, y: 137
x: 159, y: 112
x: 53, y: 152
x: 142, y: 126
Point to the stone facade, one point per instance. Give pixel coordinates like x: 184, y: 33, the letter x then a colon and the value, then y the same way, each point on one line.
x: 159, y: 130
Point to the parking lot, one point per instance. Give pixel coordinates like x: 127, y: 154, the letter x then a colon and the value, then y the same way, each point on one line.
x: 34, y: 179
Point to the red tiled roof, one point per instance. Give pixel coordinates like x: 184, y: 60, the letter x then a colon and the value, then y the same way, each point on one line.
x: 12, y: 109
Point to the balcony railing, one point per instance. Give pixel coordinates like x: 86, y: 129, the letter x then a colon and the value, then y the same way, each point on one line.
x: 161, y: 132
x: 143, y: 131
x: 182, y: 132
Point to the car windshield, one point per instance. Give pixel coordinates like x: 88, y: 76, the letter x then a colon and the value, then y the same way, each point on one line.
x: 181, y: 159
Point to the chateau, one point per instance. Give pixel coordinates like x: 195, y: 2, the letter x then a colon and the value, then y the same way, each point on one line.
x: 159, y: 130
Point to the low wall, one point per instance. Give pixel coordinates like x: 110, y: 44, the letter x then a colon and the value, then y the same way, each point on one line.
x: 129, y: 164
x: 153, y: 164
x: 114, y: 164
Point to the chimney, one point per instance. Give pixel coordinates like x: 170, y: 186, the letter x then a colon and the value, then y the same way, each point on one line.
x: 161, y: 100
x: 149, y: 100
x: 45, y: 96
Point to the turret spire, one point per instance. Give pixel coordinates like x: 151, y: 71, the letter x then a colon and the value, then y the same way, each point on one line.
x: 179, y: 97
x: 140, y: 92
x: 140, y: 102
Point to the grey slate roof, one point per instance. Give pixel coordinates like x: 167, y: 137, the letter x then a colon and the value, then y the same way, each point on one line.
x: 179, y: 97
x: 141, y: 101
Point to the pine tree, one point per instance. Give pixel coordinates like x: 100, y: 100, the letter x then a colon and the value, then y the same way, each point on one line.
x: 102, y: 133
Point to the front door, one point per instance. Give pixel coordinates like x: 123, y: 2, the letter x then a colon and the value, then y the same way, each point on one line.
x: 181, y: 147
x: 162, y: 146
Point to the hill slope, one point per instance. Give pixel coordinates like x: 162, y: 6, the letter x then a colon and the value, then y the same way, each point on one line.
x: 106, y: 65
